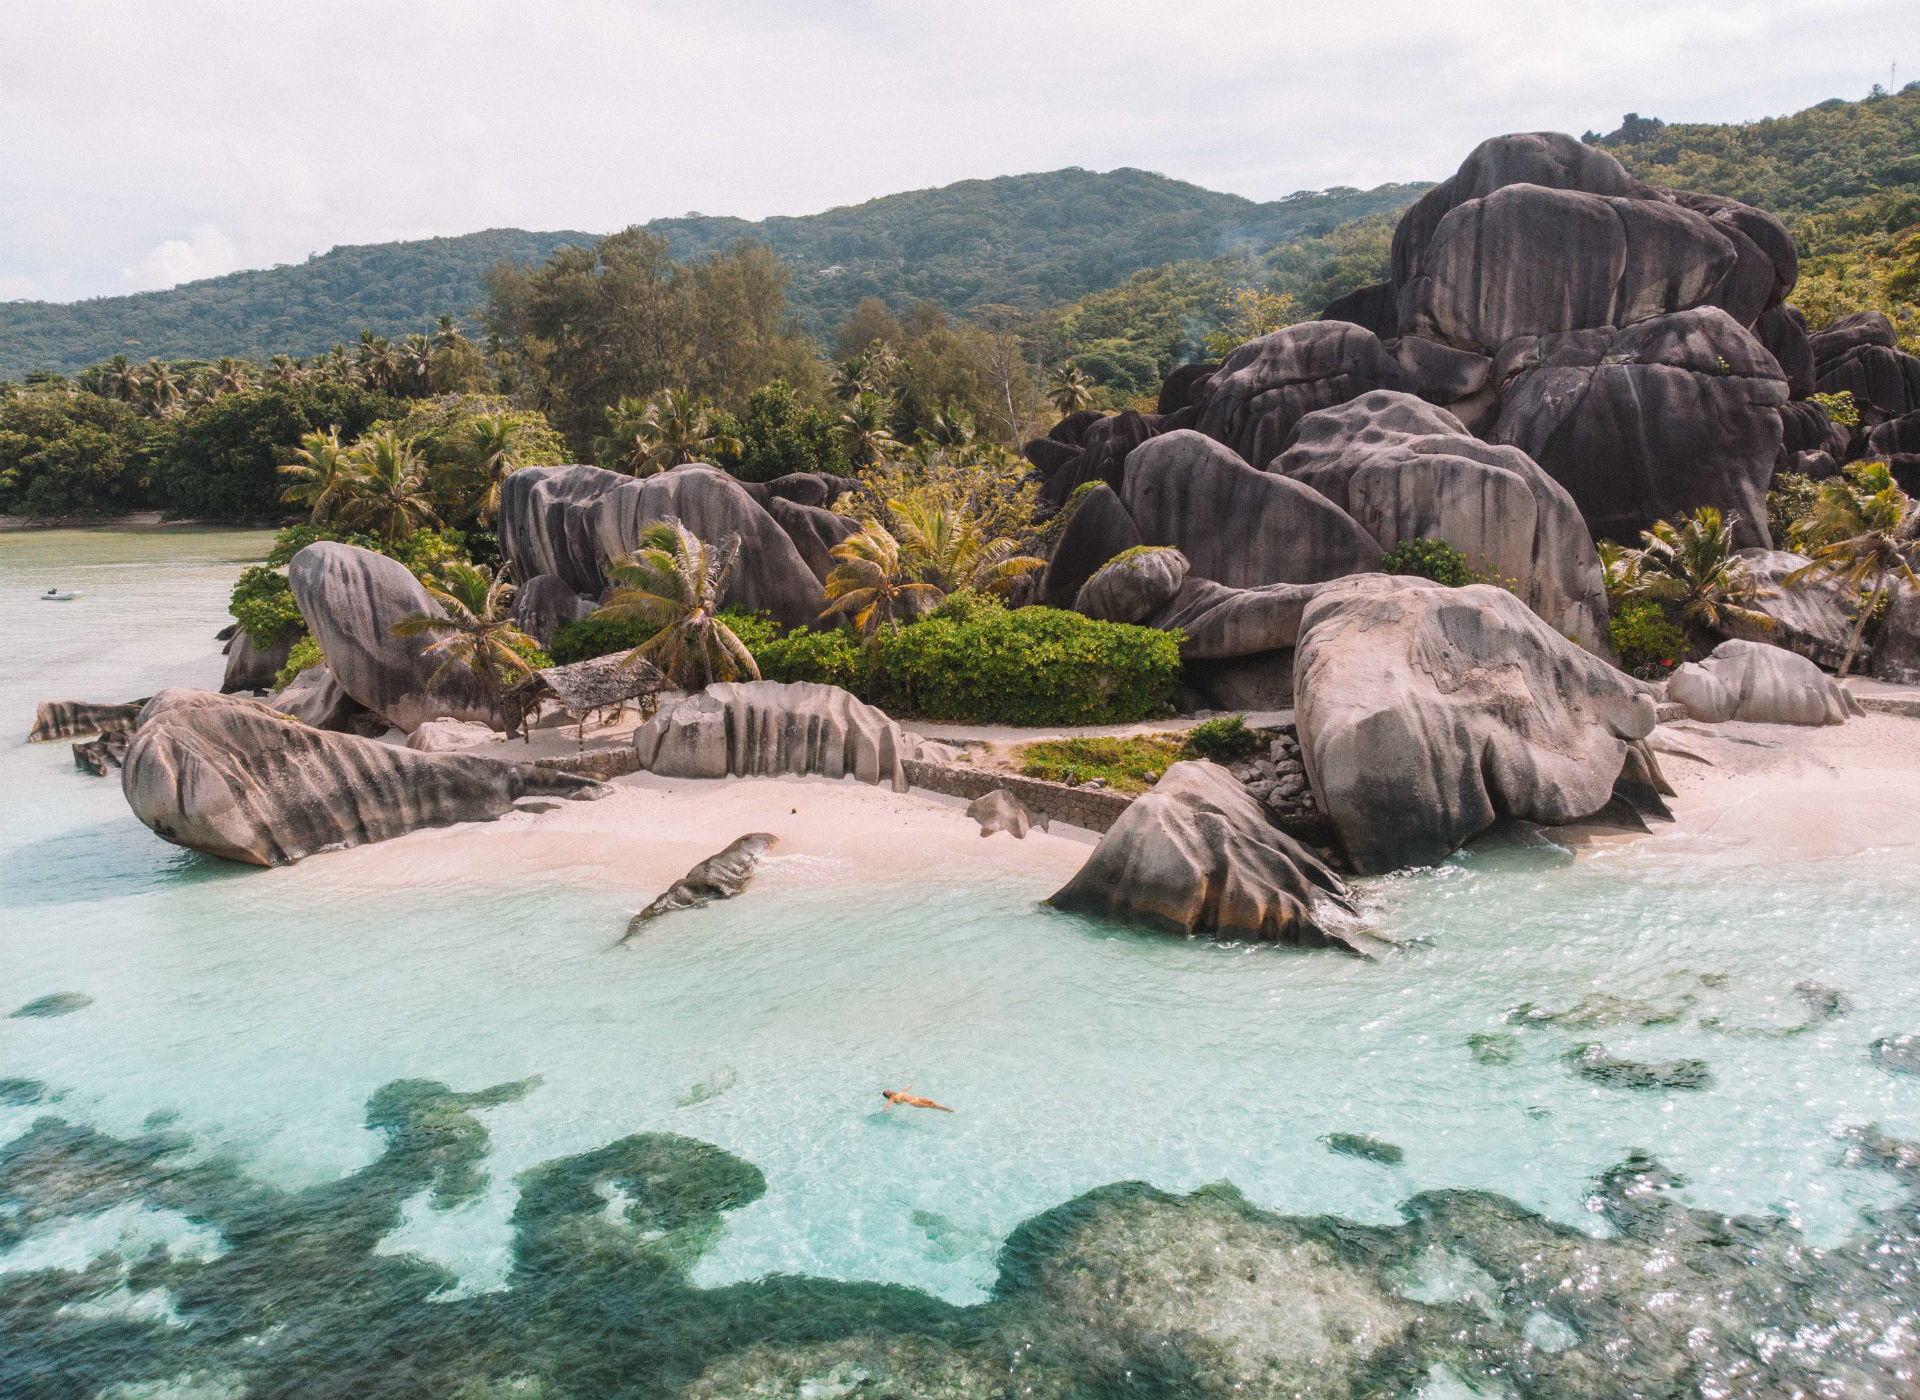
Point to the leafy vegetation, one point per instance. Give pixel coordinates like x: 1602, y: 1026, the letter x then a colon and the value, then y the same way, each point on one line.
x: 1860, y: 533
x: 475, y: 629
x: 1647, y: 644
x: 262, y: 603
x: 673, y: 583
x: 304, y: 655
x: 1224, y: 740
x: 1430, y: 559
x: 1126, y: 765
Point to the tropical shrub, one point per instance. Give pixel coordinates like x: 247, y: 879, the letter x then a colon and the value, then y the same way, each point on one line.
x: 1125, y: 765
x: 62, y: 454
x: 832, y: 657
x: 603, y: 633
x: 1647, y: 644
x: 221, y: 461
x: 1224, y: 740
x: 1431, y: 559
x: 262, y: 603
x: 1789, y: 500
x: 305, y: 653
x: 776, y: 434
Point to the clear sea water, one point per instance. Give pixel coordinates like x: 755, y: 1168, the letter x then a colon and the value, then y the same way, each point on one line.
x: 255, y: 1013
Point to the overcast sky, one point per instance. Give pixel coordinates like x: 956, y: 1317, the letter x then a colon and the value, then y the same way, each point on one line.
x: 150, y: 143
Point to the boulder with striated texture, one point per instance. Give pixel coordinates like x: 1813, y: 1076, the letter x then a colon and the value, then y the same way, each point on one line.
x: 1217, y: 622
x: 1896, y: 655
x: 814, y: 530
x: 1783, y: 330
x: 765, y: 728
x: 235, y: 778
x: 315, y: 698
x: 1099, y: 530
x: 544, y: 604
x: 1812, y: 618
x: 719, y: 876
x: 1238, y: 526
x: 1425, y: 713
x: 1407, y: 470
x: 1134, y: 586
x: 1647, y: 423
x: 1267, y: 385
x: 1102, y: 456
x: 70, y: 719
x: 351, y: 598
x: 1197, y: 855
x: 1762, y: 685
x: 447, y: 735
x: 251, y: 666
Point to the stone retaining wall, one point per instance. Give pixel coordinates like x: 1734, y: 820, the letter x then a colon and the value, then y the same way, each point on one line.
x: 1094, y: 809
x: 596, y: 763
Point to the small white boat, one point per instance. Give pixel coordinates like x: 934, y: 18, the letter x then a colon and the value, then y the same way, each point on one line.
x: 59, y: 595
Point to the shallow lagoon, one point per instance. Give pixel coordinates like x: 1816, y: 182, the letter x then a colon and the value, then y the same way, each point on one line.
x: 253, y: 1016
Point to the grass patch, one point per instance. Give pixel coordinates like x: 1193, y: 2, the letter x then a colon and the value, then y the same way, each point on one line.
x: 1125, y: 763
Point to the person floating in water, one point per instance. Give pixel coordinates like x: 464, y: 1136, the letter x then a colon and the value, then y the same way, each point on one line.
x: 909, y: 1099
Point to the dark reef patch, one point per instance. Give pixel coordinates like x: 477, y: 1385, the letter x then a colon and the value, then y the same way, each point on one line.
x: 56, y: 1004
x: 1592, y: 1061
x: 1126, y: 1291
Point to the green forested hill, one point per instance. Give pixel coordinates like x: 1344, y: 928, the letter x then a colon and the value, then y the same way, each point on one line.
x: 1028, y: 240
x: 296, y: 309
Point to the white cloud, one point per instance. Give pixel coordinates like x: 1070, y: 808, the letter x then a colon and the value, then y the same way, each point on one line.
x: 290, y: 127
x: 208, y: 253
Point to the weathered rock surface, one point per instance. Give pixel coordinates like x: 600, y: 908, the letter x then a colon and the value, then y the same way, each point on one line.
x: 1849, y: 333
x: 351, y: 598
x: 446, y: 735
x: 818, y: 489
x: 1375, y: 307
x: 544, y: 604
x: 253, y: 667
x: 1133, y: 587
x: 73, y: 719
x: 1783, y: 330
x: 814, y: 532
x: 1885, y: 383
x: 1896, y: 655
x: 1181, y: 386
x: 1219, y: 622
x: 1100, y: 529
x: 569, y: 521
x: 1811, y: 618
x: 1647, y: 423
x: 1760, y: 684
x: 1425, y: 713
x: 102, y: 755
x: 316, y: 699
x: 235, y: 778
x: 1238, y: 526
x: 1103, y: 455
x: 765, y: 728
x: 1267, y: 385
x: 1408, y: 470
x: 1000, y: 810
x: 720, y: 876
x: 1197, y: 855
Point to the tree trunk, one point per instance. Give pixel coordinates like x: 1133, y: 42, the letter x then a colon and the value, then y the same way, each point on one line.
x: 1860, y: 627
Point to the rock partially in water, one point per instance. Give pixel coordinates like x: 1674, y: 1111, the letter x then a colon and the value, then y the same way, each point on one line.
x: 233, y: 777
x: 1197, y: 855
x: 100, y: 756
x: 1605, y: 1009
x: 251, y: 666
x: 1592, y: 1061
x: 19, y: 1093
x: 1000, y: 810
x: 1493, y: 1047
x: 766, y: 728
x: 56, y: 1004
x: 1760, y: 684
x: 1368, y: 1149
x: 1898, y: 1053
x: 719, y: 876
x: 72, y: 719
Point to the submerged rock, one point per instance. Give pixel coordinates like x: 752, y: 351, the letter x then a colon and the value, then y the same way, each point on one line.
x: 1592, y: 1061
x: 1760, y: 684
x: 20, y: 1093
x: 1425, y: 713
x: 1493, y: 1047
x: 765, y: 728
x: 1000, y: 810
x: 100, y: 756
x: 233, y: 777
x: 1197, y: 855
x: 1368, y: 1149
x: 1898, y: 1053
x: 56, y: 1004
x: 71, y: 719
x: 720, y: 876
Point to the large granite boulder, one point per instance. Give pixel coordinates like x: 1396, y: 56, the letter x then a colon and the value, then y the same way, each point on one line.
x: 814, y: 530
x: 1783, y: 330
x: 1768, y: 260
x: 1425, y: 713
x: 351, y: 598
x: 1218, y: 623
x: 1760, y: 684
x: 1133, y: 586
x: 1813, y: 617
x: 1182, y: 385
x: 1896, y: 655
x: 1105, y: 445
x: 1099, y: 530
x: 1238, y: 526
x: 569, y: 521
x: 1267, y: 385
x: 72, y: 719
x: 1850, y: 333
x: 544, y: 604
x: 251, y: 666
x: 766, y: 728
x: 235, y: 778
x: 318, y: 701
x: 1647, y: 423
x: 1376, y: 307
x: 1197, y: 855
x: 1884, y: 383
x: 1408, y: 470
x: 1805, y: 427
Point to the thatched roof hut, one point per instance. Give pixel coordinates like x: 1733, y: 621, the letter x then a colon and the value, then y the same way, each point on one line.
x: 598, y: 683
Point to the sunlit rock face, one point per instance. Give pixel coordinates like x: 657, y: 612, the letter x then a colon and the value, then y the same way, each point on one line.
x: 1427, y: 712
x: 765, y: 728
x: 1760, y: 684
x: 233, y: 777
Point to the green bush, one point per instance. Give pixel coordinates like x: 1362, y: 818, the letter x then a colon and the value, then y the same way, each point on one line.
x: 220, y: 461
x: 1842, y: 410
x: 604, y: 633
x: 778, y: 434
x: 424, y: 551
x: 1224, y: 740
x: 1788, y: 500
x: 305, y: 653
x: 828, y: 658
x: 1648, y: 645
x: 262, y: 603
x: 1431, y: 559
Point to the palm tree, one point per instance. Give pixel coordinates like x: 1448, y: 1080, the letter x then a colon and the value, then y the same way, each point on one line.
x: 161, y: 387
x: 123, y: 379
x: 387, y: 492
x: 229, y: 376
x: 284, y: 371
x: 669, y: 431
x: 494, y: 451
x: 675, y: 581
x: 415, y: 365
x: 1859, y: 539
x: 322, y: 473
x: 873, y: 586
x: 949, y: 548
x: 1693, y: 566
x: 446, y: 333
x: 477, y: 630
x: 951, y: 428
x: 1070, y: 390
x: 863, y: 426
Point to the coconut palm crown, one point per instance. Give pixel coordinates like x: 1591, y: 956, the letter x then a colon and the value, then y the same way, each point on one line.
x: 388, y: 491
x: 476, y: 630
x: 676, y: 581
x: 1862, y: 534
x: 1694, y: 567
x: 321, y: 474
x: 875, y: 584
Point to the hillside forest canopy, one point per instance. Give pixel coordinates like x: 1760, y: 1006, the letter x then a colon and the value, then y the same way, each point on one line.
x: 975, y: 323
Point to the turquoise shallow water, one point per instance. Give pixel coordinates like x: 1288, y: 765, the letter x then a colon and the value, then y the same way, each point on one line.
x: 257, y: 1013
